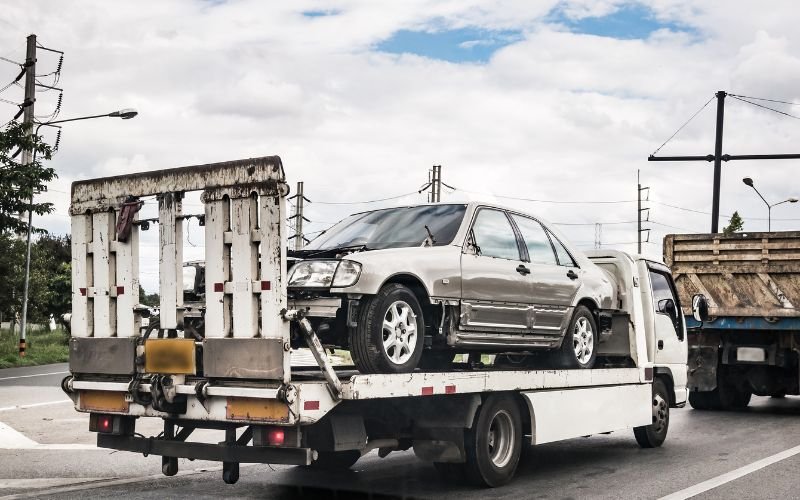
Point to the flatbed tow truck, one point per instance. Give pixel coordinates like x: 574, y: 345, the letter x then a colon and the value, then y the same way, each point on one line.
x: 237, y: 378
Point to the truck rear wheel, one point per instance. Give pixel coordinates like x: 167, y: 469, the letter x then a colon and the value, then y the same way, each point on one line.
x: 732, y: 397
x: 579, y: 347
x: 704, y: 400
x: 494, y: 443
x: 390, y: 334
x: 653, y: 435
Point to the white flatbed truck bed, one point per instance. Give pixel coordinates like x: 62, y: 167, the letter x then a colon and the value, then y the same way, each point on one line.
x: 238, y: 378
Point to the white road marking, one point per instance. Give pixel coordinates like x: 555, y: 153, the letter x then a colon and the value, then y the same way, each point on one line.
x: 43, y: 482
x: 33, y: 405
x: 732, y: 475
x: 113, y: 482
x: 35, y: 375
x: 12, y: 439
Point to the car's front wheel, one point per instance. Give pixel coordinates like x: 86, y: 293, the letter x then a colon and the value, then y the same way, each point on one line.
x: 391, y: 332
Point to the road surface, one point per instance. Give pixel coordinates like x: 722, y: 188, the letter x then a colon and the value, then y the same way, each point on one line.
x: 46, y: 451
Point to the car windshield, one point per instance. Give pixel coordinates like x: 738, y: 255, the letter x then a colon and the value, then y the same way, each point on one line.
x: 393, y: 228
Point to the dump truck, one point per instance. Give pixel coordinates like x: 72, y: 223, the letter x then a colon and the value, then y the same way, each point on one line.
x: 750, y: 343
x: 237, y: 376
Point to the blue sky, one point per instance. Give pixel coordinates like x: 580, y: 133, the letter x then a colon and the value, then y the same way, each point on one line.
x: 630, y: 21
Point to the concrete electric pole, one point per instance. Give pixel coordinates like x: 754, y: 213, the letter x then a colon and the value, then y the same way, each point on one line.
x: 299, y: 238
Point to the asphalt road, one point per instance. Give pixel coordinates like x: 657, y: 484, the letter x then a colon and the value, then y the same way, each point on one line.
x: 46, y: 451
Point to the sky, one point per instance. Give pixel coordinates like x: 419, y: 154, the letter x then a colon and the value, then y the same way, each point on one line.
x: 556, y: 101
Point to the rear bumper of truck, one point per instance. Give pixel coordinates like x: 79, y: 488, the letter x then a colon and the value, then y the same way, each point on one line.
x: 205, y: 451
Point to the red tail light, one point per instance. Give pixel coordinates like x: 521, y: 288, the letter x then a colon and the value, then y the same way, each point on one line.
x: 275, y: 437
x: 105, y: 423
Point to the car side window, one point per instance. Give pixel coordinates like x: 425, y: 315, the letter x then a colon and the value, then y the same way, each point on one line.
x: 564, y: 258
x: 494, y: 235
x: 539, y: 249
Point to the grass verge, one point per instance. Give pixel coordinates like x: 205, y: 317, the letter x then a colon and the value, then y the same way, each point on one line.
x: 43, y: 347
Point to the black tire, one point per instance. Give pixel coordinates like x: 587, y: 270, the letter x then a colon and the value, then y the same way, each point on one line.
x: 436, y: 360
x: 367, y: 339
x: 704, y: 400
x: 230, y: 472
x: 494, y: 443
x: 653, y: 435
x: 581, y: 325
x: 335, y: 460
x: 732, y: 397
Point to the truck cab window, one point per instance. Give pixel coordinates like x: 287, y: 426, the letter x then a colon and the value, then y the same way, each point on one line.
x: 662, y: 291
x: 494, y: 236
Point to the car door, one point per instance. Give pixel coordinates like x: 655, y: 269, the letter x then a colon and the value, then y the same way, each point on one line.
x: 552, y: 286
x: 494, y: 278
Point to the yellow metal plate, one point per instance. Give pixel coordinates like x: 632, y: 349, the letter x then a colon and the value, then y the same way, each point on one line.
x: 103, y: 401
x: 262, y: 410
x: 173, y: 356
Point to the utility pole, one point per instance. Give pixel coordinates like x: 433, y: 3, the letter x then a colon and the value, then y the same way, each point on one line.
x: 718, y: 157
x: 435, y: 184
x: 598, y: 236
x: 28, y: 105
x: 299, y: 239
x: 639, y: 213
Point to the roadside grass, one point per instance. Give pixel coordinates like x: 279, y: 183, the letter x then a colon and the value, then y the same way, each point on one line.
x: 43, y: 347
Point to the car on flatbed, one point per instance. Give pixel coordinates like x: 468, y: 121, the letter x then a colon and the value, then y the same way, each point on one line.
x: 414, y: 285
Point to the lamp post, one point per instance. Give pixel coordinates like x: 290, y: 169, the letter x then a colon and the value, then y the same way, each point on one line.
x: 125, y: 114
x: 749, y: 182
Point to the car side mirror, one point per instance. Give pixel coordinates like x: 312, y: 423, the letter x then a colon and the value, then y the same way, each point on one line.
x: 700, y: 308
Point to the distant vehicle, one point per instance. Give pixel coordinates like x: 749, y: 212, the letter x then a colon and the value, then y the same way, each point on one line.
x: 749, y: 344
x: 447, y: 278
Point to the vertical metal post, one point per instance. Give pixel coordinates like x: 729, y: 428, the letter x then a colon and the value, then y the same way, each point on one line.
x: 639, y: 214
x: 718, y: 160
x: 298, y: 220
x: 436, y: 184
x: 27, y: 120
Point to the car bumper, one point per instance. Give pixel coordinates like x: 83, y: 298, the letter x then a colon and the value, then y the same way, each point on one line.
x: 320, y: 307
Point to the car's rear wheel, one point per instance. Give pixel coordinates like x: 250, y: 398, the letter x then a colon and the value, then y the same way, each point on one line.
x: 579, y: 348
x: 391, y: 332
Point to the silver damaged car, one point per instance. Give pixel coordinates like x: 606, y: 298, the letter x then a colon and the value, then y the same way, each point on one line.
x: 413, y: 286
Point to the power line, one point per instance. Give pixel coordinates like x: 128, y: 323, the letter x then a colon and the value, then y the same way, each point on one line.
x: 709, y: 213
x: 363, y: 202
x: 765, y: 99
x: 593, y: 223
x: 536, y: 200
x: 684, y: 125
x: 765, y: 107
x: 10, y: 61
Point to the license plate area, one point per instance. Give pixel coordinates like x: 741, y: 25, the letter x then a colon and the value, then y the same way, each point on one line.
x: 256, y: 409
x: 103, y: 401
x: 170, y: 356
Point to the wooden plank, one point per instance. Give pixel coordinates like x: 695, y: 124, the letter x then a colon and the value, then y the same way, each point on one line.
x: 244, y: 265
x: 81, y: 320
x: 273, y: 271
x: 170, y: 272
x: 102, y: 224
x: 218, y: 313
x: 127, y: 282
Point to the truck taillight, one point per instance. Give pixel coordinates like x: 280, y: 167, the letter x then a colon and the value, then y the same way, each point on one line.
x: 272, y: 435
x: 111, y: 424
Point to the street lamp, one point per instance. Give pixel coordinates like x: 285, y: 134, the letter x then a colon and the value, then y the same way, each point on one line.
x: 749, y: 182
x: 125, y: 114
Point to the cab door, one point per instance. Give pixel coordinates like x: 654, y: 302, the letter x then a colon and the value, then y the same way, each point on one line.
x: 494, y: 278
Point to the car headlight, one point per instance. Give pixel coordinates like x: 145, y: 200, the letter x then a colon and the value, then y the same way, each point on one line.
x: 313, y: 273
x: 324, y: 273
x: 347, y: 273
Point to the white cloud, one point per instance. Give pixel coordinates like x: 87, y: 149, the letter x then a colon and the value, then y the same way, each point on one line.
x: 556, y: 115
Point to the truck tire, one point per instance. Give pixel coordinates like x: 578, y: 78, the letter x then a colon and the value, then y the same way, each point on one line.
x: 390, y: 334
x: 732, y: 397
x: 579, y: 347
x: 335, y: 460
x: 494, y: 443
x: 704, y: 400
x: 653, y: 435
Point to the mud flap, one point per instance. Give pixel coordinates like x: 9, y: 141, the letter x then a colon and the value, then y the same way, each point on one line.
x: 703, y: 364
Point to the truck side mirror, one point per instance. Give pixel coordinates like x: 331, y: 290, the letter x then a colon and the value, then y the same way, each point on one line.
x: 700, y: 308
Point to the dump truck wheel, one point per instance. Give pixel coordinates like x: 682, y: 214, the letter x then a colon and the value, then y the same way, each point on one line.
x: 704, y: 400
x: 390, y: 334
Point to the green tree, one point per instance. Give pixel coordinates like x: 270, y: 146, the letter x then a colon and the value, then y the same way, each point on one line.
x: 18, y: 182
x: 734, y: 225
x: 12, y: 262
x: 149, y: 299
